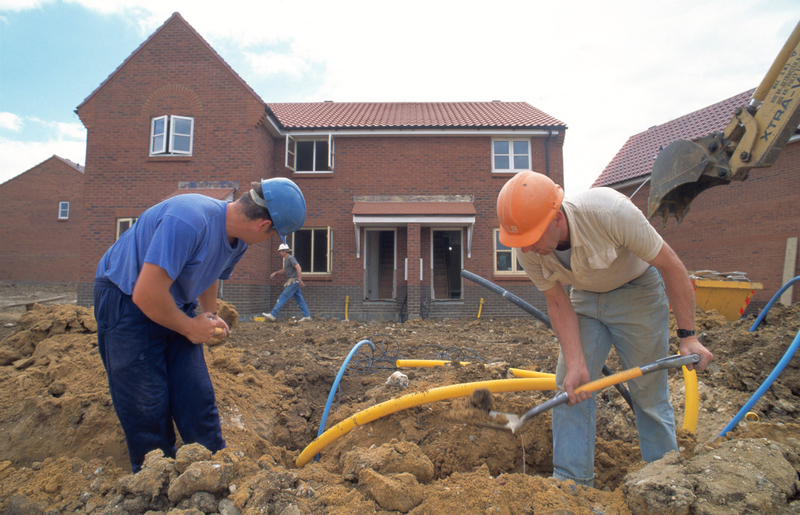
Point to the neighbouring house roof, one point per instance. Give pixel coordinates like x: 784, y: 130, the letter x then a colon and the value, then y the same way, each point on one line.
x: 404, y: 115
x: 70, y: 163
x: 179, y: 18
x: 635, y: 158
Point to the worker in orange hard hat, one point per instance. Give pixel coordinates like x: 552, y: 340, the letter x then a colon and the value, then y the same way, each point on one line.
x: 624, y: 278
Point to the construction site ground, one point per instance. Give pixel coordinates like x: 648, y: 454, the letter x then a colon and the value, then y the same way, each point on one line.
x: 62, y: 449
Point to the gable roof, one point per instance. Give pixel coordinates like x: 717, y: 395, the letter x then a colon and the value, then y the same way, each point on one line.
x: 635, y: 158
x: 176, y: 17
x: 407, y: 115
x: 70, y: 163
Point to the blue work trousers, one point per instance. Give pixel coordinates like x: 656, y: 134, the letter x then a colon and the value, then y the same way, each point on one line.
x: 155, y: 376
x: 634, y: 318
x: 292, y: 290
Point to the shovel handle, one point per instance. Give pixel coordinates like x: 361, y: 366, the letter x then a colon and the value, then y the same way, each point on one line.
x: 611, y: 380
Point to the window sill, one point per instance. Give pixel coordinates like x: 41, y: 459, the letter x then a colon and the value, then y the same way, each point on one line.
x: 320, y: 277
x: 169, y: 158
x: 504, y: 173
x: 313, y: 175
x: 510, y: 277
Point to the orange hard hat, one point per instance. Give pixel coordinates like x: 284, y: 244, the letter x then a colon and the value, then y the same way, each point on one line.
x: 526, y: 205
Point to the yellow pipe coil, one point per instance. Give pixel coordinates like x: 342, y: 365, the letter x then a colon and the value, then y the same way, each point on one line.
x: 519, y: 372
x: 415, y: 399
x: 692, y: 408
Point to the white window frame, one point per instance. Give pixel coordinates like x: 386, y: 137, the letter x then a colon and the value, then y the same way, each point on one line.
x: 63, y: 210
x: 130, y: 219
x: 173, y: 133
x: 162, y: 148
x: 515, y: 269
x: 511, y: 154
x: 329, y: 264
x: 290, y: 160
x: 167, y: 145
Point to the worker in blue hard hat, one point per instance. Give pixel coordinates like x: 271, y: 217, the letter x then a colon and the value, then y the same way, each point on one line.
x: 147, y: 288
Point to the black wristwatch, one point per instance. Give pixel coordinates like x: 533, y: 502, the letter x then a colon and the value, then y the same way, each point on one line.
x: 683, y: 333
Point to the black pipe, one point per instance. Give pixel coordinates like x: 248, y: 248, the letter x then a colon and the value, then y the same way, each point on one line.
x: 539, y: 316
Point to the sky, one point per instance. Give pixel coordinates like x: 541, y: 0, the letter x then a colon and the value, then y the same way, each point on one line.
x: 608, y: 70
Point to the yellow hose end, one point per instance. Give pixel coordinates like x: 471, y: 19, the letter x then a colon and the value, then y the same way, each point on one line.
x: 692, y: 409
x: 752, y: 416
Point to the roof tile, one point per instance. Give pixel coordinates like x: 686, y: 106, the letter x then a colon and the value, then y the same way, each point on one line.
x: 385, y: 115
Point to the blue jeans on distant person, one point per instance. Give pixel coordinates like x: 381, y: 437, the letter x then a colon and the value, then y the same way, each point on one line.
x: 634, y: 318
x: 291, y: 291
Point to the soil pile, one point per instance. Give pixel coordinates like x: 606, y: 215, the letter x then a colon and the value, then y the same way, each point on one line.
x: 63, y: 451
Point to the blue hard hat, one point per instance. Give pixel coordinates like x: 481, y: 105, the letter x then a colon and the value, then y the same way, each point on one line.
x: 286, y: 205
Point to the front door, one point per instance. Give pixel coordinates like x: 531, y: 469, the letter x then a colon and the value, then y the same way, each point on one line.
x: 379, y: 265
x: 447, y: 263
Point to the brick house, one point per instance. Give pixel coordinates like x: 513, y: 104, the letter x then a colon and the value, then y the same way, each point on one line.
x: 401, y: 196
x: 40, y: 223
x: 744, y: 226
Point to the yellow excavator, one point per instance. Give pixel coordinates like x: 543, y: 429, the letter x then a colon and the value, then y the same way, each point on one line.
x: 754, y: 138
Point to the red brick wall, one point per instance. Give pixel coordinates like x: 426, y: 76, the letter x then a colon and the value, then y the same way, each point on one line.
x: 36, y: 246
x: 174, y: 73
x: 742, y: 226
x: 446, y: 165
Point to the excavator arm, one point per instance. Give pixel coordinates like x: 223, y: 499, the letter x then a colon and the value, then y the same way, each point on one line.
x: 754, y: 138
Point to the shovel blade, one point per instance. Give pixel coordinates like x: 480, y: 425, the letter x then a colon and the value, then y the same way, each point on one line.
x: 502, y: 420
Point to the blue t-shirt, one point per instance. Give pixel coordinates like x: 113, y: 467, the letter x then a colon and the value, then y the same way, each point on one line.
x: 186, y: 236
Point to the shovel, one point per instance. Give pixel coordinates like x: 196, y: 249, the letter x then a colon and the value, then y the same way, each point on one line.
x: 513, y: 422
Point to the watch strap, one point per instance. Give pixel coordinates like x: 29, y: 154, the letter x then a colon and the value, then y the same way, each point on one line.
x: 684, y: 333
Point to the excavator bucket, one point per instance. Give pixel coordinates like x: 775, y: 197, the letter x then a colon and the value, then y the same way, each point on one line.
x: 683, y: 170
x: 754, y: 138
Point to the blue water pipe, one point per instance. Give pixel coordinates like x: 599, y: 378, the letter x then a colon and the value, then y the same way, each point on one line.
x: 335, y: 386
x: 775, y: 372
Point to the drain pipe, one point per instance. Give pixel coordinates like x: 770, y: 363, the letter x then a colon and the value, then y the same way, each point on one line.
x: 547, y: 152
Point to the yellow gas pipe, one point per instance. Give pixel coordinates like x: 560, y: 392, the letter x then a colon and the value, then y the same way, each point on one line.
x: 416, y: 399
x: 346, y: 305
x: 480, y: 308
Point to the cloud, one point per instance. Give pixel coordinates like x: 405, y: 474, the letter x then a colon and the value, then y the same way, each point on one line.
x: 273, y: 63
x: 10, y: 121
x: 62, y: 130
x: 21, y: 5
x: 17, y: 157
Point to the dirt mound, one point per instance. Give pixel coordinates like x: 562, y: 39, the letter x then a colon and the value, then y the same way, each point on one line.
x: 64, y: 451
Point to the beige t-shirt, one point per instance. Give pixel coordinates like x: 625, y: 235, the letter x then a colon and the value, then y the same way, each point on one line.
x: 611, y: 243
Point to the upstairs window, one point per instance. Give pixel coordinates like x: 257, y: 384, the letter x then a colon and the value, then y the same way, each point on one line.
x: 309, y: 155
x: 511, y: 155
x: 123, y: 224
x: 63, y: 210
x: 312, y: 249
x: 505, y: 261
x: 171, y: 135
